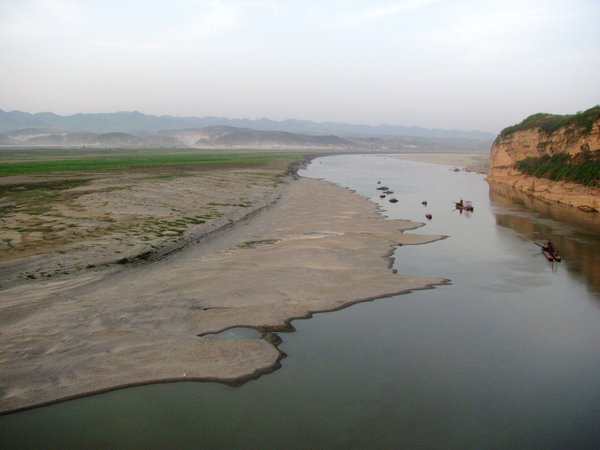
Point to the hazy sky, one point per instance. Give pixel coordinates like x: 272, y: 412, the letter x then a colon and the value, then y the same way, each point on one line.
x: 470, y: 64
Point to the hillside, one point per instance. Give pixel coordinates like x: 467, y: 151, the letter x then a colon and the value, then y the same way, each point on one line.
x: 32, y: 137
x: 209, y: 137
x: 219, y: 136
x: 552, y: 157
x: 227, y: 137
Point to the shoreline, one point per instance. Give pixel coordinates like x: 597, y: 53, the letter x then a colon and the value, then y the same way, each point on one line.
x: 269, y: 336
x: 471, y: 162
x: 582, y: 199
x: 100, y: 329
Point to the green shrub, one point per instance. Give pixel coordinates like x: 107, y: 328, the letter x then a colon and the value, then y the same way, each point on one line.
x: 562, y: 167
x: 549, y: 123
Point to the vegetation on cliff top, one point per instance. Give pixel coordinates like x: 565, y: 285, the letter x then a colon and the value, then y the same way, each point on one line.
x: 549, y: 123
x: 584, y: 168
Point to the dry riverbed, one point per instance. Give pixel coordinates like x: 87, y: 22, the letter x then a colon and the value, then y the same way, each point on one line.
x: 58, y: 225
x: 99, y: 326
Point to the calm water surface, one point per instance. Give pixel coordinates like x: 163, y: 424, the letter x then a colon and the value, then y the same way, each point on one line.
x: 507, y: 355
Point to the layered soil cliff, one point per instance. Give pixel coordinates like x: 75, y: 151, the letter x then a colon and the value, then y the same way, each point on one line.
x: 544, y: 134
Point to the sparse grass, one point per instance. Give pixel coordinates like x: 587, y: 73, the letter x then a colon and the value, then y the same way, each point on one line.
x: 43, y: 199
x: 549, y: 123
x: 38, y: 198
x: 218, y: 204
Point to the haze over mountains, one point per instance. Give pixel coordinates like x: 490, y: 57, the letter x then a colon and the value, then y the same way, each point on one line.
x: 134, y: 129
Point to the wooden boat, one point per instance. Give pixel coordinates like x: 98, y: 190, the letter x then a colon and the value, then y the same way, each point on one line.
x: 393, y: 200
x: 428, y: 216
x: 463, y: 206
x: 383, y: 188
x: 424, y: 203
x: 550, y: 251
x: 547, y: 254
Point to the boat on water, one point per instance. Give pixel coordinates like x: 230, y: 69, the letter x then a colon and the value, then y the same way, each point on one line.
x: 550, y: 251
x: 550, y: 257
x: 428, y: 216
x: 393, y: 200
x: 464, y: 205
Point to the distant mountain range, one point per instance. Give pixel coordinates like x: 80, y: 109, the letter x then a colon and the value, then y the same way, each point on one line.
x: 136, y: 130
x: 140, y: 124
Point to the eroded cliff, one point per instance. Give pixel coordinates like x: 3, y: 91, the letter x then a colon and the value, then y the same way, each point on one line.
x: 532, y: 138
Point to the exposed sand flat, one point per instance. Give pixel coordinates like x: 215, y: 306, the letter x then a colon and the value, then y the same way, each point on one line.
x: 472, y: 162
x: 320, y: 247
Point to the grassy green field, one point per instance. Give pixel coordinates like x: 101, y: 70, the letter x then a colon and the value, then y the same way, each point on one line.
x: 43, y: 161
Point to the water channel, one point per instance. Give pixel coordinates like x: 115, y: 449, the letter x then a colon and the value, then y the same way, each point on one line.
x: 507, y: 355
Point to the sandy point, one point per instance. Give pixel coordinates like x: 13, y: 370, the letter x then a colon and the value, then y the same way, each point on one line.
x: 320, y: 247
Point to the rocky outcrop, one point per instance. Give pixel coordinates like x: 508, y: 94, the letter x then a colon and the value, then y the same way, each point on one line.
x: 509, y: 148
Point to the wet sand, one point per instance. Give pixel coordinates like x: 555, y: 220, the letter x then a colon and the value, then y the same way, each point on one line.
x: 320, y: 247
x: 471, y: 162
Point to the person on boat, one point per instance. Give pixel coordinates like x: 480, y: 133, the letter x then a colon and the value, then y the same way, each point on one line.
x: 549, y: 246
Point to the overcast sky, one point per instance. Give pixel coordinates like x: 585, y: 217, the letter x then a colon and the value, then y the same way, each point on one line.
x: 470, y: 64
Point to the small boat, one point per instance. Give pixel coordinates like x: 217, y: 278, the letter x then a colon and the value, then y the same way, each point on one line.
x: 549, y: 256
x: 379, y: 182
x: 550, y: 251
x: 428, y: 216
x: 382, y: 196
x: 388, y: 192
x: 383, y: 188
x: 463, y: 206
x: 424, y: 203
x: 393, y: 200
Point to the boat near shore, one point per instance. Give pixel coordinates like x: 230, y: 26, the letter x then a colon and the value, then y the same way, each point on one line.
x: 464, y: 205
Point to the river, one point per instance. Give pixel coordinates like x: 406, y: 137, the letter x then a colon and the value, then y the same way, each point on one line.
x: 507, y: 355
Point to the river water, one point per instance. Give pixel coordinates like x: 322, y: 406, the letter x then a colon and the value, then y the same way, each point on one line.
x: 507, y: 355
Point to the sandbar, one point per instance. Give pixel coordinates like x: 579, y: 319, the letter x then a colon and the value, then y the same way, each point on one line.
x: 473, y: 162
x: 319, y: 247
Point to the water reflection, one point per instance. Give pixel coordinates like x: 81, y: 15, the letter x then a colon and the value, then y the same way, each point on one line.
x: 576, y: 233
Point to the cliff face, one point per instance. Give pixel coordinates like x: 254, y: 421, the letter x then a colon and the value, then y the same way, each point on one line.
x: 507, y: 150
